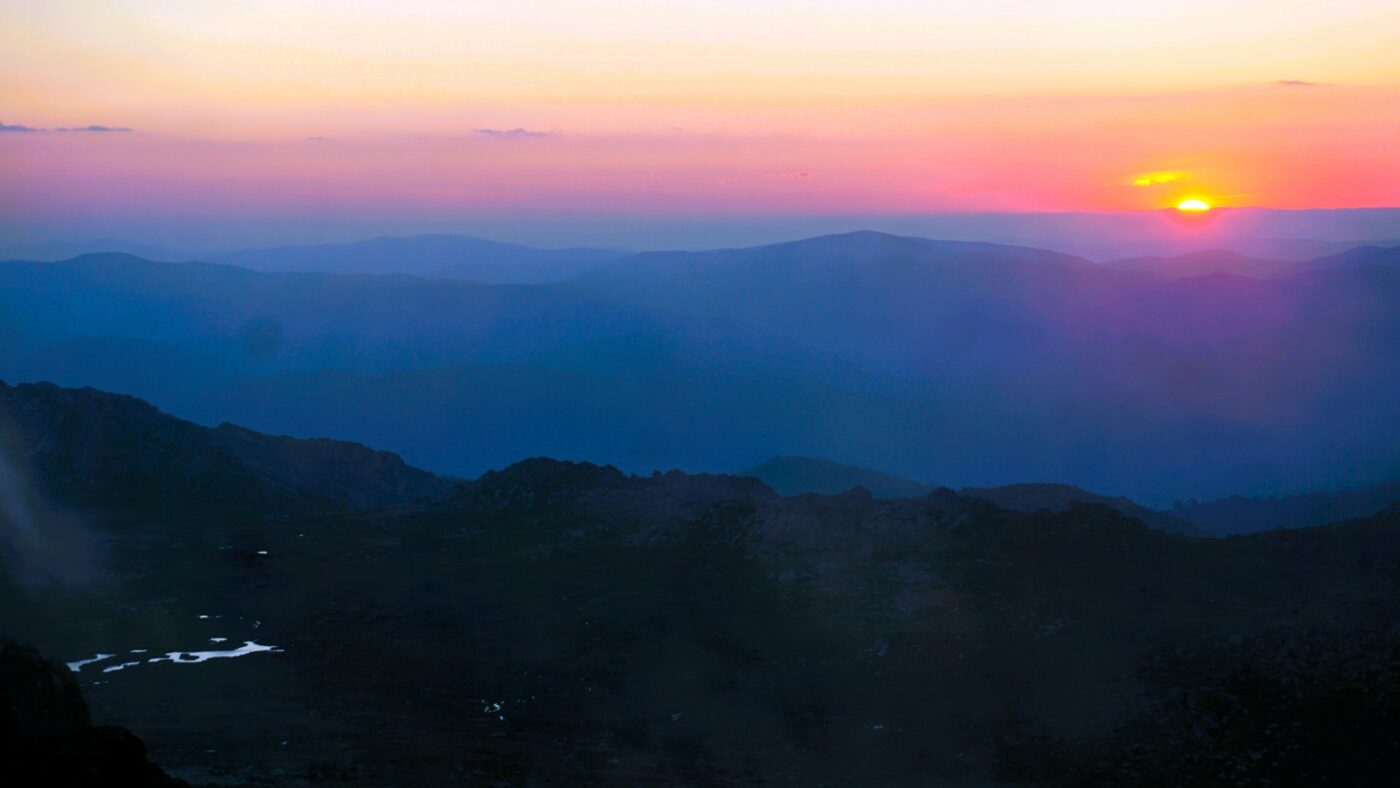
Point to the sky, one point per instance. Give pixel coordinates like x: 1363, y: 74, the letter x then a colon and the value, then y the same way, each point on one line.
x: 208, y: 121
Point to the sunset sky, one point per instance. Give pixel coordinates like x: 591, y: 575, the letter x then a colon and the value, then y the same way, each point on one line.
x: 437, y: 110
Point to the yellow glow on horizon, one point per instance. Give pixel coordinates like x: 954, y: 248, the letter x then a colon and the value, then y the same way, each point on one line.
x: 1193, y: 205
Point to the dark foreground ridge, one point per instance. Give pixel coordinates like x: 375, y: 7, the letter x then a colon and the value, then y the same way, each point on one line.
x: 93, y: 448
x: 47, y: 739
x: 559, y: 623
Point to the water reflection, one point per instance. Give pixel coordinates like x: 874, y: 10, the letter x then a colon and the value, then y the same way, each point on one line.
x: 177, y: 657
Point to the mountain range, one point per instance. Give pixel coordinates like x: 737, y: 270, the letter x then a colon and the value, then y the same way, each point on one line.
x: 966, y: 363
x: 1296, y: 235
x: 100, y: 449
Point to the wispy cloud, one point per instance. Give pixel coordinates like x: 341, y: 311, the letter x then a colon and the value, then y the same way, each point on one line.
x: 92, y: 128
x: 1154, y: 178
x: 1298, y: 83
x: 96, y: 127
x: 516, y: 133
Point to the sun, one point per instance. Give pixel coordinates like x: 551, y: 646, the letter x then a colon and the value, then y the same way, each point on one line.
x: 1193, y: 205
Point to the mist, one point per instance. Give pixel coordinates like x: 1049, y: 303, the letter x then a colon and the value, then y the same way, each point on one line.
x: 1294, y: 235
x: 45, y: 544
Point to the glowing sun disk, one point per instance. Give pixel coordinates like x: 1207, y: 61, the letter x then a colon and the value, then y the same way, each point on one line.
x: 1193, y: 205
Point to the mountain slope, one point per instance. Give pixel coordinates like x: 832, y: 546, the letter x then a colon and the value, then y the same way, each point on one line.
x: 91, y: 448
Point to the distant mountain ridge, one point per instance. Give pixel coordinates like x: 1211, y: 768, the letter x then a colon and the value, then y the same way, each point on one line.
x: 1244, y: 515
x: 1035, y: 497
x: 56, y: 251
x: 1359, y: 257
x: 1207, y: 262
x: 799, y: 475
x: 439, y: 256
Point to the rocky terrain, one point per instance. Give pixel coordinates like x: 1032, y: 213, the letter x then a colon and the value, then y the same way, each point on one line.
x: 558, y: 623
x: 47, y: 738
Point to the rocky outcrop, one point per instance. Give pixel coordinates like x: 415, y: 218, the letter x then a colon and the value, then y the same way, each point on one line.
x: 47, y: 739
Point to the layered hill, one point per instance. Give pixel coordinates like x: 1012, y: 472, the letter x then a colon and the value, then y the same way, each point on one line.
x: 961, y: 362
